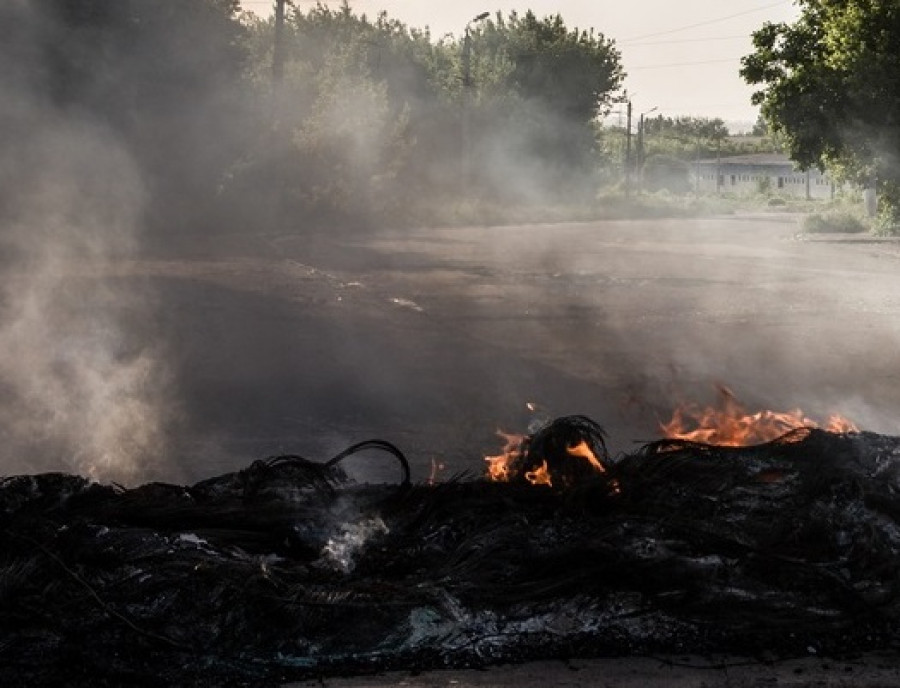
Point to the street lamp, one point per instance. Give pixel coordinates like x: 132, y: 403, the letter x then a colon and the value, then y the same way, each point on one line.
x: 467, y: 94
x: 467, y: 49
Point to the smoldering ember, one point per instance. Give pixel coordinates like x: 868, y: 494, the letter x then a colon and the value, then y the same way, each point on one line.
x: 288, y: 569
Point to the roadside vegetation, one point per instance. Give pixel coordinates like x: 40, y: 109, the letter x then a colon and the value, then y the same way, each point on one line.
x: 828, y: 87
x: 835, y: 221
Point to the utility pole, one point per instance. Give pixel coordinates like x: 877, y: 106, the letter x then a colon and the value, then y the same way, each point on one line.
x: 628, y: 151
x: 639, y: 156
x: 640, y: 150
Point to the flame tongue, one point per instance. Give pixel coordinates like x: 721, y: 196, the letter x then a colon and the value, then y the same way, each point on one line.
x: 500, y: 467
x: 837, y: 423
x: 730, y: 424
x: 583, y: 451
x: 559, y: 454
x: 539, y: 476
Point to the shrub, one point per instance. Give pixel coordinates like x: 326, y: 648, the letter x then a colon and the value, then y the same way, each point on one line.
x: 834, y: 222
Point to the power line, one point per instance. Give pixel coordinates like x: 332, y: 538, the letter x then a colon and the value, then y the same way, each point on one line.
x: 271, y: 3
x: 689, y: 40
x: 704, y: 23
x: 686, y: 64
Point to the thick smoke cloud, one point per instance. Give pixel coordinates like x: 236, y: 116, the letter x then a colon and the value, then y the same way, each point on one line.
x: 80, y: 392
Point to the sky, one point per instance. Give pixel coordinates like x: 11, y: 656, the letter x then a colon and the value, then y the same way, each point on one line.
x: 681, y: 56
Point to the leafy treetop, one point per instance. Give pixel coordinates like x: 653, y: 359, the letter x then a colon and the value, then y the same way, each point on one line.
x: 830, y: 84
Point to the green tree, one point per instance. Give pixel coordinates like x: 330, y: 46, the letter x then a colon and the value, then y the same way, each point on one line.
x: 830, y: 85
x: 705, y: 131
x: 668, y: 140
x: 539, y: 88
x: 376, y: 117
x: 760, y: 127
x: 571, y: 71
x: 353, y: 106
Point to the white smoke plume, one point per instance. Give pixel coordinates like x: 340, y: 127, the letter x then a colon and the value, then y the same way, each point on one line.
x: 341, y: 550
x: 80, y: 391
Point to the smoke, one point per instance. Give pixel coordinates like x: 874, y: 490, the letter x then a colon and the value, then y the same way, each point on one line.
x: 535, y: 156
x: 80, y: 391
x: 342, y: 548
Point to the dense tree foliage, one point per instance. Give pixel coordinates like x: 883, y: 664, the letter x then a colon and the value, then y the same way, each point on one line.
x: 573, y: 72
x: 372, y: 119
x: 690, y: 138
x: 540, y: 88
x: 830, y: 83
x: 375, y: 116
x: 696, y: 130
x: 333, y: 131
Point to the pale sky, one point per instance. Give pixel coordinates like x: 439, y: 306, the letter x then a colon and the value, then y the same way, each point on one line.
x: 681, y: 56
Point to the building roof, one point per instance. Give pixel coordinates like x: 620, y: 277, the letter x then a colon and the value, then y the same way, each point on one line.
x: 769, y: 159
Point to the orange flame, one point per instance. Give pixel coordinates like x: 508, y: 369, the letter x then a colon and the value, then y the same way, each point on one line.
x: 499, y: 466
x: 583, y: 451
x: 838, y: 423
x: 730, y: 424
x: 539, y: 476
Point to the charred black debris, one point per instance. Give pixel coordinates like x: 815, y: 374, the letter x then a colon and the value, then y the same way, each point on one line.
x: 288, y: 569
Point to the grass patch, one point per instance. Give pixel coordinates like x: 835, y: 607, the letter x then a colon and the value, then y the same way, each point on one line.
x: 611, y: 204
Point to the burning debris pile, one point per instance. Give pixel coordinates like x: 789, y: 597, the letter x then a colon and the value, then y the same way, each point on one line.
x: 288, y: 569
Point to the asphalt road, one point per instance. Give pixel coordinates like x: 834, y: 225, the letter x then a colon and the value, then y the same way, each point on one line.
x: 435, y: 338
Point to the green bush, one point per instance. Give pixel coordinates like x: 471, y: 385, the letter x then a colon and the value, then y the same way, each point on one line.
x: 885, y: 228
x: 834, y: 222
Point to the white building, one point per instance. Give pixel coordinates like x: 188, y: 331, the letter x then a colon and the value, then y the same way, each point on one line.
x: 760, y: 172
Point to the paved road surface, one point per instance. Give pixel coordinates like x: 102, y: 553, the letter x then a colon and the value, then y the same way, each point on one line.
x: 433, y: 339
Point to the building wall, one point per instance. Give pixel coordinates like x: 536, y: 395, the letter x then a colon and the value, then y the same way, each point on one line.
x: 749, y: 178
